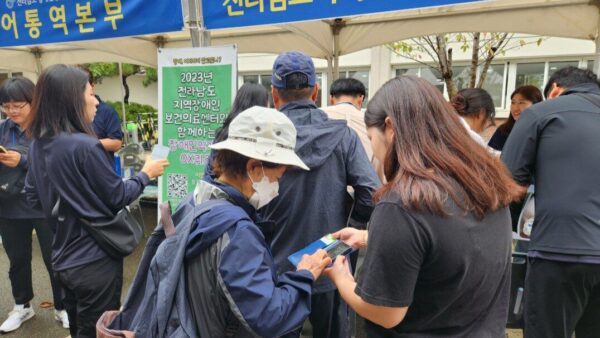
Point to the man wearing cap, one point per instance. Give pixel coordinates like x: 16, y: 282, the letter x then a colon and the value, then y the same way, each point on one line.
x: 232, y: 284
x: 312, y: 204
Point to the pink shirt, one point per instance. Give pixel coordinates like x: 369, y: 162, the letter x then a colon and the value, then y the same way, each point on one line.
x: 356, y: 120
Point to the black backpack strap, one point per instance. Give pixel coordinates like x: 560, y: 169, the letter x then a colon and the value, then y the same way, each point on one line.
x: 592, y: 98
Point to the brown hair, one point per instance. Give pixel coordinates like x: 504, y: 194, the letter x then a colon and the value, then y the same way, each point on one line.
x: 432, y: 157
x: 470, y: 101
x: 530, y: 93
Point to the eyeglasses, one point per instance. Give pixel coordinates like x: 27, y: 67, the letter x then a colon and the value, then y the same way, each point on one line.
x: 13, y: 107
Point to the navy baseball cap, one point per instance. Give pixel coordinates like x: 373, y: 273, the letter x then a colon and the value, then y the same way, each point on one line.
x: 293, y: 62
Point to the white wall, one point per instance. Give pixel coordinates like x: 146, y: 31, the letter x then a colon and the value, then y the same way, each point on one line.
x: 110, y: 90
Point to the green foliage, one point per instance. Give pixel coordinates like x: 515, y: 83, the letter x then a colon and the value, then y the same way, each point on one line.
x: 151, y: 76
x: 134, y: 110
x: 100, y: 70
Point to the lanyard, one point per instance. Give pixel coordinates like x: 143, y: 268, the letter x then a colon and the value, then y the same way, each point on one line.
x: 14, y: 139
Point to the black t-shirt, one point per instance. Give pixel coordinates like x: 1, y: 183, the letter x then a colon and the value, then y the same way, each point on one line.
x: 498, y: 140
x: 453, y: 273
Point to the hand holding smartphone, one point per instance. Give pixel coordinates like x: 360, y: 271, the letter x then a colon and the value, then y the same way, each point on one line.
x: 338, y: 248
x: 160, y: 152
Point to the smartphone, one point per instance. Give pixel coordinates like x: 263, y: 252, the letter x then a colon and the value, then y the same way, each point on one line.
x: 338, y: 248
x: 3, y: 150
x: 160, y: 152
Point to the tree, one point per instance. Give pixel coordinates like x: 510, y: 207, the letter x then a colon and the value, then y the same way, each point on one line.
x: 100, y: 70
x: 436, y: 52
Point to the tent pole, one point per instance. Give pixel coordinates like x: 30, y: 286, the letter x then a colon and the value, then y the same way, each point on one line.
x: 125, y: 134
x: 597, y: 54
x: 336, y: 28
x: 325, y: 89
x: 200, y: 36
x: 37, y: 53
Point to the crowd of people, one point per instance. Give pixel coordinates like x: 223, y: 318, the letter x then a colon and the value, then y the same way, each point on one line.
x: 410, y: 182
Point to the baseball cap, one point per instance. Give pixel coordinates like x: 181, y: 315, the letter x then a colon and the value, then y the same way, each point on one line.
x: 293, y: 62
x: 263, y: 134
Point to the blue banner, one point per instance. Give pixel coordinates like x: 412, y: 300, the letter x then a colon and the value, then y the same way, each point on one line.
x: 239, y: 13
x: 35, y: 22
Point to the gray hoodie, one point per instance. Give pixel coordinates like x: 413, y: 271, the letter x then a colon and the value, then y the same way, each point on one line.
x: 314, y: 203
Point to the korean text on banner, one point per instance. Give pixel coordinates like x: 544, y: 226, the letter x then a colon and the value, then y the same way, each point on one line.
x: 196, y: 90
x: 35, y: 22
x: 241, y: 13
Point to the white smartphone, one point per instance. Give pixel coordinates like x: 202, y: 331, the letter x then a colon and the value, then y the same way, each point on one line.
x: 160, y: 152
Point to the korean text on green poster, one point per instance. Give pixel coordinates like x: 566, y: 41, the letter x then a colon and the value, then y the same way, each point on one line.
x: 195, y: 102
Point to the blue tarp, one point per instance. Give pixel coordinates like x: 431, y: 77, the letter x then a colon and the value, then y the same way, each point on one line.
x: 35, y: 22
x: 240, y: 13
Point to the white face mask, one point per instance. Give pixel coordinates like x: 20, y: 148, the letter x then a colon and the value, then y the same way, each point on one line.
x: 264, y: 191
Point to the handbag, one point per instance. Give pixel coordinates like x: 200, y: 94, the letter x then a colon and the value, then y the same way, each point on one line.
x: 117, y: 237
x: 527, y: 216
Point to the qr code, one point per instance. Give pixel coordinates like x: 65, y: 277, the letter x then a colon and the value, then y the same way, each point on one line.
x: 177, y: 186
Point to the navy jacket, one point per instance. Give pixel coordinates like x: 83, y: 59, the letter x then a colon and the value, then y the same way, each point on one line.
x: 215, y: 277
x: 11, y: 135
x: 232, y: 279
x: 107, y: 124
x: 76, y: 167
x: 313, y: 203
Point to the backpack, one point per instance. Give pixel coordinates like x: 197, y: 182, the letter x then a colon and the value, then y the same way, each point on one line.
x: 157, y: 305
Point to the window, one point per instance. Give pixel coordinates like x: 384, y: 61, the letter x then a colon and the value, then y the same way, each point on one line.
x: 554, y: 66
x: 250, y: 79
x: 3, y: 76
x: 494, y: 81
x: 427, y: 73
x: 360, y: 75
x: 590, y: 65
x: 265, y: 80
x: 530, y: 74
x: 460, y: 75
x: 433, y: 76
x: 493, y: 84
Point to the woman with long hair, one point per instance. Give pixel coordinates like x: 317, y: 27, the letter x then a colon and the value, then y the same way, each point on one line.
x: 72, y: 179
x: 249, y: 95
x: 17, y: 218
x: 439, y: 240
x: 521, y: 99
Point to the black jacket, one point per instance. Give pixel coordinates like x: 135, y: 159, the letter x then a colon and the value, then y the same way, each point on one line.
x: 557, y: 142
x: 12, y: 136
x: 76, y: 167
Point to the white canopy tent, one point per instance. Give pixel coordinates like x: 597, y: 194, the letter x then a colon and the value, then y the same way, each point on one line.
x: 328, y: 39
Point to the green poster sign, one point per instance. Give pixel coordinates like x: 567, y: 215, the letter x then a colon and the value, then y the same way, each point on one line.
x: 195, y: 101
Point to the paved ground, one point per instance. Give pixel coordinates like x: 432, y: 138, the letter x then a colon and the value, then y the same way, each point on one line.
x: 43, y: 324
